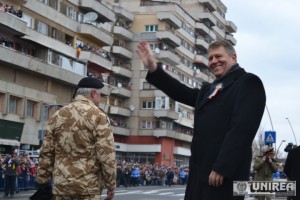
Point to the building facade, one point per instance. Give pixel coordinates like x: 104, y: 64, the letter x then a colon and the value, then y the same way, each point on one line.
x: 49, y: 45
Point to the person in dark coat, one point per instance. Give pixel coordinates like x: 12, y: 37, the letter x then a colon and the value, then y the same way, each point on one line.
x: 292, y: 170
x: 228, y: 113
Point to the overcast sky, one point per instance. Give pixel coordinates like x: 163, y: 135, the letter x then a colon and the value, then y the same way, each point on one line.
x: 268, y: 39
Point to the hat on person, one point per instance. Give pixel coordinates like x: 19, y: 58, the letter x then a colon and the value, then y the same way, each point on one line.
x: 269, y: 150
x: 90, y: 82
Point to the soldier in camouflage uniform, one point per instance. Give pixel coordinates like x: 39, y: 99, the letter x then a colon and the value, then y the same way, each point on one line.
x: 265, y: 166
x: 78, y: 151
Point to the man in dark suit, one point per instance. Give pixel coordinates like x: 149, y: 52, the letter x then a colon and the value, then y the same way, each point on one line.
x: 292, y: 169
x: 227, y: 116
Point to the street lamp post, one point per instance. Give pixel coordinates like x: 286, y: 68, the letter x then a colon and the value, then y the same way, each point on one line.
x: 279, y: 148
x: 292, y: 129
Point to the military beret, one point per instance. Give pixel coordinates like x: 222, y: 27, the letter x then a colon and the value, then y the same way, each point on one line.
x: 269, y: 150
x: 90, y: 82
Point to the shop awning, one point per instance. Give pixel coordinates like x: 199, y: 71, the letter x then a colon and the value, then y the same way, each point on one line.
x: 9, y: 142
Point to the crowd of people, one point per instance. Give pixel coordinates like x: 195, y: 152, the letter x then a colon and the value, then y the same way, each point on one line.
x: 6, y: 42
x: 17, y: 173
x: 10, y: 9
x: 129, y: 174
x: 136, y: 174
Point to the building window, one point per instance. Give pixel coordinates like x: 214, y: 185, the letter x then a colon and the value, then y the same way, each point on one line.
x: 148, y: 86
x: 151, y: 28
x: 148, y: 104
x: 31, y: 108
x: 153, y: 46
x: 148, y: 124
x: 41, y: 27
x: 2, y: 101
x: 15, y: 105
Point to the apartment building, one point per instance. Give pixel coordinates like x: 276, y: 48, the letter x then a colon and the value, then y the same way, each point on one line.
x: 54, y: 43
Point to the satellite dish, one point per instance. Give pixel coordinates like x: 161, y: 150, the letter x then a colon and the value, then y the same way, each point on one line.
x: 157, y: 50
x: 90, y: 17
x: 132, y: 107
x: 197, y: 71
x: 119, y: 85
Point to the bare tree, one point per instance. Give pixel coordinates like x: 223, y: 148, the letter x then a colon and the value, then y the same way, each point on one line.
x: 258, y: 143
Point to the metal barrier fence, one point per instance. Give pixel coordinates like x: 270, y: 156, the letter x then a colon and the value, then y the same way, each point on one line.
x: 24, y: 182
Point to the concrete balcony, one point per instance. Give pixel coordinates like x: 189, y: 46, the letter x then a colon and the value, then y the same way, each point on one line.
x: 220, y: 33
x: 168, y: 57
x: 207, y: 17
x: 13, y: 24
x: 51, y: 43
x: 172, y: 134
x: 186, y: 52
x: 87, y: 56
x: 185, y: 122
x: 219, y: 17
x: 120, y: 51
x: 114, y: 110
x: 182, y: 151
x: 51, y: 14
x: 122, y: 92
x: 121, y: 12
x: 187, y: 35
x: 122, y: 71
x: 168, y: 37
x: 96, y: 34
x: 204, y: 30
x: 123, y: 33
x: 203, y: 77
x: 231, y: 27
x: 106, y: 90
x: 34, y: 65
x: 158, y: 113
x: 209, y: 4
x: 120, y: 130
x: 185, y: 69
x: 106, y: 14
x: 202, y: 44
x: 19, y: 1
x: 170, y: 18
x: 165, y: 114
x: 122, y: 147
x: 230, y: 39
x: 201, y: 59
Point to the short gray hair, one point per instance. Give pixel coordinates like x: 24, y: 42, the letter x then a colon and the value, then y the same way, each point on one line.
x: 223, y: 43
x: 85, y: 91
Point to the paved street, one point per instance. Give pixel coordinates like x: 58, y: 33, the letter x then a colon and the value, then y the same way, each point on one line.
x: 138, y: 193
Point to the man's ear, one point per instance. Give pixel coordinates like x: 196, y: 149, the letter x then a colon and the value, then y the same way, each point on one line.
x: 93, y: 93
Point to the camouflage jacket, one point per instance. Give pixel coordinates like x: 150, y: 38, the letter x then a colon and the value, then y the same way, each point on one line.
x: 78, y: 150
x: 264, y: 170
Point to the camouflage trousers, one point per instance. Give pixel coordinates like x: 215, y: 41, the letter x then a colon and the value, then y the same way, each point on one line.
x: 78, y: 197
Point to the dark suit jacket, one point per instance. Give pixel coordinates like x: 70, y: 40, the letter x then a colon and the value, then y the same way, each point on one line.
x: 225, y: 126
x: 292, y: 169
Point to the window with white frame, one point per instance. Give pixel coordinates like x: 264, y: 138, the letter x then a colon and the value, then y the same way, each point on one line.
x: 151, y: 28
x: 153, y: 46
x: 148, y: 104
x: 145, y: 124
x: 162, y: 103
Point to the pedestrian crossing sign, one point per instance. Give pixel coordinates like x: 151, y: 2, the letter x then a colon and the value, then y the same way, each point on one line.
x: 270, y: 137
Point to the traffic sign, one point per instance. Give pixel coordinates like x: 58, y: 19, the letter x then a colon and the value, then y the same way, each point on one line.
x: 270, y: 137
